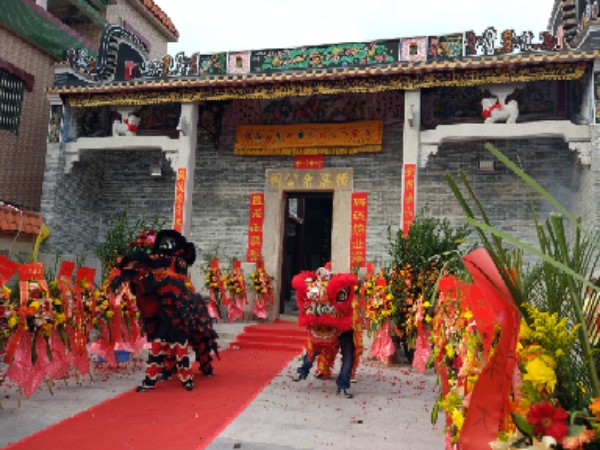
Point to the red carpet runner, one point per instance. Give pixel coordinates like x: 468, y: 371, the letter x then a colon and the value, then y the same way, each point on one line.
x: 169, y: 417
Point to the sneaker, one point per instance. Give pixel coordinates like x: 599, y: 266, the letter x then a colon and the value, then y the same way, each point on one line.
x: 144, y: 387
x: 346, y: 392
x: 188, y: 385
x: 352, y: 380
x: 298, y: 376
x: 319, y: 376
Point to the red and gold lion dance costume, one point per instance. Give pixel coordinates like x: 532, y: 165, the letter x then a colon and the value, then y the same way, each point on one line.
x: 330, y: 310
x: 174, y: 317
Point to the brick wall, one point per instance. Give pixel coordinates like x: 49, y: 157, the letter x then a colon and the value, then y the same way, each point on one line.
x: 78, y: 207
x: 22, y: 154
x: 223, y: 183
x: 504, y: 196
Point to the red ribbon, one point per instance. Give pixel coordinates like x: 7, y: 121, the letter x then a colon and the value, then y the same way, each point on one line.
x: 130, y: 126
x: 487, y: 113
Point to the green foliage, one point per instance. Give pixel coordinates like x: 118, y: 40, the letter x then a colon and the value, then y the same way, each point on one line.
x: 556, y: 284
x: 429, y: 241
x: 121, y: 232
x: 431, y: 246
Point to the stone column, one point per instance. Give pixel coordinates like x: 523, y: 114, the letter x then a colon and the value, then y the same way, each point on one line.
x: 185, y: 165
x: 412, y: 142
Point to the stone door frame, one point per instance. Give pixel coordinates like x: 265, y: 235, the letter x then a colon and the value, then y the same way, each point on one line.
x: 339, y: 182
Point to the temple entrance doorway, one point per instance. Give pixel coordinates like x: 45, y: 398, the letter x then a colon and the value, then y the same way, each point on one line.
x: 306, y: 239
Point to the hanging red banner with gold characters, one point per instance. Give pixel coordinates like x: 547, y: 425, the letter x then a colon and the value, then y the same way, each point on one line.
x: 358, y: 234
x: 309, y: 162
x: 408, y: 202
x: 179, y: 200
x: 255, y: 228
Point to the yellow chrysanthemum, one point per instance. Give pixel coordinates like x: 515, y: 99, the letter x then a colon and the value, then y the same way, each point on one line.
x: 35, y: 304
x: 540, y: 374
x: 13, y: 321
x: 458, y: 418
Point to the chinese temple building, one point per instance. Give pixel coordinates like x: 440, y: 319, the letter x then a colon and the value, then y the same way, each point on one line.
x: 305, y: 155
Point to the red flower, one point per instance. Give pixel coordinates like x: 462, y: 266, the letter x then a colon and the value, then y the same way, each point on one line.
x: 548, y: 420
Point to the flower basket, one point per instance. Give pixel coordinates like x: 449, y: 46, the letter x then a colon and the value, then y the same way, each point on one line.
x: 122, y: 356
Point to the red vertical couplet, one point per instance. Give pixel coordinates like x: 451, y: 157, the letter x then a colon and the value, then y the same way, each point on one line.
x: 179, y: 200
x: 255, y: 227
x: 358, y: 234
x: 408, y: 202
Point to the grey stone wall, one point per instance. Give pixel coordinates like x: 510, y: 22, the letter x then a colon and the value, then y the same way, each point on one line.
x: 223, y: 183
x: 504, y: 196
x: 79, y: 206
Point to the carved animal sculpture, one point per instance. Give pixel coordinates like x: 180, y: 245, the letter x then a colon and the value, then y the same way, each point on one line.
x: 126, y: 127
x: 495, y: 111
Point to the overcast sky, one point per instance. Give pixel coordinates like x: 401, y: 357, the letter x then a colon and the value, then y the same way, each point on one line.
x: 209, y: 26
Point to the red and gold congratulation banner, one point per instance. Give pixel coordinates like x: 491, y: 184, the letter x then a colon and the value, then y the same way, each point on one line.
x: 179, y: 200
x: 255, y: 228
x: 310, y: 139
x: 358, y: 234
x: 489, y: 403
x: 408, y: 202
x: 7, y: 269
x: 309, y: 162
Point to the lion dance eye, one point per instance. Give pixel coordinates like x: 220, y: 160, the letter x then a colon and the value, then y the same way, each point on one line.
x: 342, y: 296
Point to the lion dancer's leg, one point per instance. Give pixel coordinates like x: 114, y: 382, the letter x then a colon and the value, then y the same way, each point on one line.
x: 170, y: 364
x: 358, y: 350
x: 204, y: 337
x: 348, y: 348
x: 154, y: 364
x: 308, y: 360
x: 325, y: 361
x: 181, y: 350
x: 204, y: 358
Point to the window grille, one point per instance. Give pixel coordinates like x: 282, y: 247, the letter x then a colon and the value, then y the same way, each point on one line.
x: 11, y: 101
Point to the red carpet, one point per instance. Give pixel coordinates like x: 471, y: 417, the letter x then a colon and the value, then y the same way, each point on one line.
x: 169, y: 417
x: 278, y: 335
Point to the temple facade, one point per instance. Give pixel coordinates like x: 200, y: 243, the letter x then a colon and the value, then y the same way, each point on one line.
x: 313, y: 154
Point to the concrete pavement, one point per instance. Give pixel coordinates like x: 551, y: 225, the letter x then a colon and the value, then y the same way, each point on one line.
x: 391, y: 408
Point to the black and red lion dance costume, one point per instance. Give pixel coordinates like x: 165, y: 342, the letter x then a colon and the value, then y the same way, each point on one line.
x: 329, y: 309
x: 174, y: 317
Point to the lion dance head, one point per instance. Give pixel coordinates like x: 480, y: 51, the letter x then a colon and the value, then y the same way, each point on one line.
x: 327, y: 305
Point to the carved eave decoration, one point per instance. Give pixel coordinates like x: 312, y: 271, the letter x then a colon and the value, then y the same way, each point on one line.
x: 469, y: 72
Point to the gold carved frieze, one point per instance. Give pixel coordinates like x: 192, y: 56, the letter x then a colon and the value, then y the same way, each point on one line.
x: 273, y: 90
x: 309, y: 179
